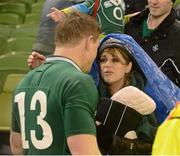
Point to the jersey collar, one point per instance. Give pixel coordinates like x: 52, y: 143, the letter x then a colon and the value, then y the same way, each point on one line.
x: 61, y: 58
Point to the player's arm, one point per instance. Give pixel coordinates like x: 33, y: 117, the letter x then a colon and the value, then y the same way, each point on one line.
x: 83, y: 144
x: 16, y: 143
x: 15, y: 133
x: 79, y: 121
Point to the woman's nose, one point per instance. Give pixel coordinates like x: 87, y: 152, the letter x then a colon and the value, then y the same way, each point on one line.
x: 153, y: 1
x: 108, y: 62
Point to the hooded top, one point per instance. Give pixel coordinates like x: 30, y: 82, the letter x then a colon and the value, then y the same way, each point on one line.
x: 158, y: 86
x: 147, y: 125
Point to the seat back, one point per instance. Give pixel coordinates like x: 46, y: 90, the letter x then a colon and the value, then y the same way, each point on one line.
x: 32, y: 18
x: 16, y: 8
x: 20, y: 44
x: 9, y: 19
x: 12, y: 64
x: 5, y: 100
x: 25, y: 30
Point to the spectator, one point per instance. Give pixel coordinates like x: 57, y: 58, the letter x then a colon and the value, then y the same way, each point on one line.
x: 44, y: 43
x: 167, y: 139
x: 53, y: 112
x: 109, y: 14
x: 158, y: 32
x: 119, y: 72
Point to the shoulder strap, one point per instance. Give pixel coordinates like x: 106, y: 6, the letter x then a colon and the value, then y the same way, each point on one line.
x: 96, y: 5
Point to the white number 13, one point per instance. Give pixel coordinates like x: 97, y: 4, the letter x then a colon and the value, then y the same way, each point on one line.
x: 47, y: 139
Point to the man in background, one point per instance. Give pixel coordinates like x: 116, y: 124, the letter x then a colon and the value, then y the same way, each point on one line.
x: 157, y: 30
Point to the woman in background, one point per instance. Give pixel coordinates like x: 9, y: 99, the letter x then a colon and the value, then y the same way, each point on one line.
x: 122, y: 80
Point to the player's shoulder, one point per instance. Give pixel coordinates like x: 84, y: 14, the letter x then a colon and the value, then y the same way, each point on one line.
x: 81, y: 76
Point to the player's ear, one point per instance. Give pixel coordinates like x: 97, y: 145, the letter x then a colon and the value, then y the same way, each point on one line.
x: 89, y: 41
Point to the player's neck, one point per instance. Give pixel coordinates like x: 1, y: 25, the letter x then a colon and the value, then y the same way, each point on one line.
x: 73, y: 53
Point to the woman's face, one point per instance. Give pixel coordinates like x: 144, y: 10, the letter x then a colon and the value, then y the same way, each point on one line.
x: 113, y: 67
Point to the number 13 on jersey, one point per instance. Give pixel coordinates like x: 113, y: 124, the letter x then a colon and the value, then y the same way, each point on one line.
x: 47, y: 139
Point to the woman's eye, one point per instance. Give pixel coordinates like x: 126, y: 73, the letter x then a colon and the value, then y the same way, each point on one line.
x: 103, y: 60
x: 115, y: 60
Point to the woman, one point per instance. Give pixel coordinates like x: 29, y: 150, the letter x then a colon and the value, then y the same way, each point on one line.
x: 118, y: 70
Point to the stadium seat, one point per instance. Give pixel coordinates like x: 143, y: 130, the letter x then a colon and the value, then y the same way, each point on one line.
x: 9, y: 19
x: 25, y: 30
x: 27, y: 3
x: 1, y: 86
x: 39, y: 1
x: 16, y: 8
x: 32, y: 18
x: 19, y: 44
x: 36, y: 7
x: 5, y: 100
x: 3, y: 44
x: 5, y: 30
x: 12, y: 63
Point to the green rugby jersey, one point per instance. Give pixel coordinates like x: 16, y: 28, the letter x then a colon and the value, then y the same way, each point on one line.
x: 52, y: 102
x: 110, y: 14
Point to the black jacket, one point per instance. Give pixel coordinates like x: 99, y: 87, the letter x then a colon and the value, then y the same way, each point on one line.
x: 134, y: 5
x: 163, y: 45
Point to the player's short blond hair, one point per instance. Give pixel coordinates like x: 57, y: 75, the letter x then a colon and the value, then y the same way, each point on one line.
x: 74, y: 26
